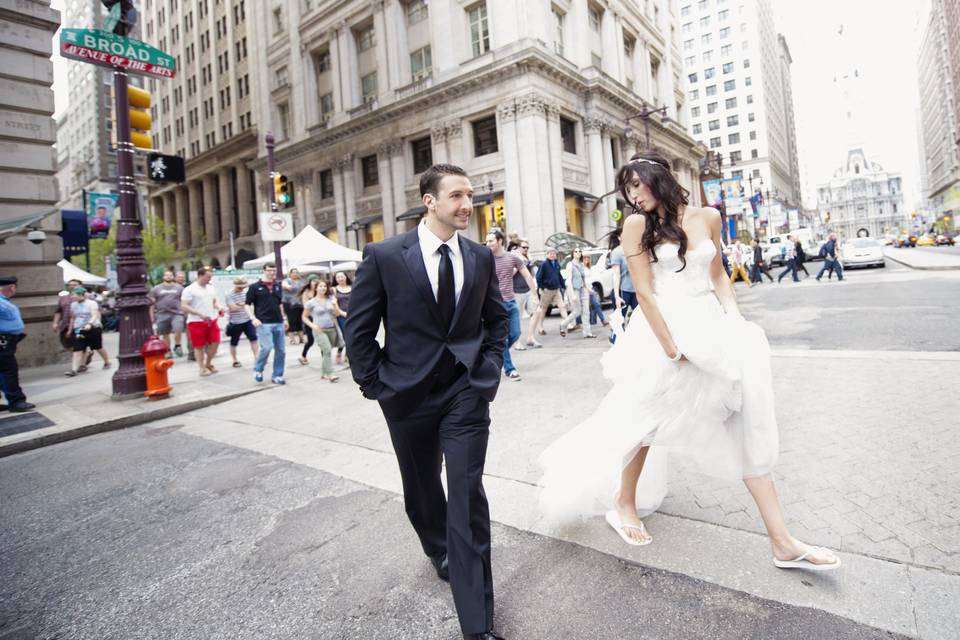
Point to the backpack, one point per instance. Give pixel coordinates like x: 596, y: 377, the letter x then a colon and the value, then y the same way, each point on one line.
x: 823, y: 251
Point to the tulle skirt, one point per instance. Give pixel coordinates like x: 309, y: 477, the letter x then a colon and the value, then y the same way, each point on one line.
x: 715, y: 410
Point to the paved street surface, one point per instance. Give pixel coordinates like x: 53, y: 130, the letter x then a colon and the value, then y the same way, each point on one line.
x: 229, y: 513
x: 190, y: 539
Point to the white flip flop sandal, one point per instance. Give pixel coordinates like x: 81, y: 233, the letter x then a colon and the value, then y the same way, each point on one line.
x: 801, y: 562
x: 613, y: 519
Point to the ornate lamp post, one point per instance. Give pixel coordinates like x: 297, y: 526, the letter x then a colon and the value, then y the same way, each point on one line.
x: 645, y: 114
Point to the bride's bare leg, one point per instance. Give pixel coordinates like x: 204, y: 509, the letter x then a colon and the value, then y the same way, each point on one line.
x: 625, y: 501
x: 785, y: 546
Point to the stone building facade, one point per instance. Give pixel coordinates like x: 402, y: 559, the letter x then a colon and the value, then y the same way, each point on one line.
x: 862, y: 199
x: 531, y: 98
x: 28, y: 171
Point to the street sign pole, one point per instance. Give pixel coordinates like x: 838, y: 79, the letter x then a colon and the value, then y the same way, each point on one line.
x: 277, y: 257
x: 132, y: 302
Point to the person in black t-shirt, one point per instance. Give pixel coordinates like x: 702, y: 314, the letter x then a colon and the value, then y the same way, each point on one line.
x: 264, y: 304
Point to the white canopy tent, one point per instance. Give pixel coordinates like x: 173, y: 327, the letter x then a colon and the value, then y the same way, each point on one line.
x: 73, y: 272
x: 310, y: 247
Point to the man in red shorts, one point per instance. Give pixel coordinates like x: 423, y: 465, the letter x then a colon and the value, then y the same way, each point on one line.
x: 199, y: 302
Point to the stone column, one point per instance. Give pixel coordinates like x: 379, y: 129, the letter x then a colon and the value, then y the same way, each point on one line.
x: 225, y: 179
x: 610, y: 44
x: 610, y: 203
x: 349, y: 74
x: 631, y: 146
x: 554, y: 143
x: 438, y: 140
x: 641, y: 70
x: 333, y: 43
x: 397, y: 37
x: 398, y: 177
x: 384, y: 44
x: 182, y: 217
x: 594, y: 126
x: 210, y: 210
x: 245, y: 209
x: 346, y: 199
x: 454, y: 134
x: 391, y: 207
x: 531, y: 133
x: 513, y: 193
x: 196, y: 213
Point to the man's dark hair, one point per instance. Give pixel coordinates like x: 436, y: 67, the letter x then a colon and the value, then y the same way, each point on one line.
x: 497, y: 234
x: 202, y: 271
x: 269, y: 265
x: 430, y: 179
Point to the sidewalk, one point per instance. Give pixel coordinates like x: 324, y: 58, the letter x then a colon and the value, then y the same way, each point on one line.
x: 925, y: 260
x: 84, y: 405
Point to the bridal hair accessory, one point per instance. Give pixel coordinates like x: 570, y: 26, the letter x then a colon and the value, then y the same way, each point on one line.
x: 648, y: 162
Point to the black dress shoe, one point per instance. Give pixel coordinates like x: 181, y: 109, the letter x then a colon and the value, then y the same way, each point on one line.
x: 442, y: 566
x: 20, y: 407
x: 486, y: 635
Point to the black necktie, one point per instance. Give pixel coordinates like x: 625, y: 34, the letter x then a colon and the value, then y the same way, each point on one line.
x: 446, y: 297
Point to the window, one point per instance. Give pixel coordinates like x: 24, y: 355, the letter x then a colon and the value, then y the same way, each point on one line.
x: 688, y: 45
x: 711, y: 107
x: 422, y: 154
x: 756, y: 173
x: 417, y: 11
x: 687, y: 28
x: 708, y: 73
x: 326, y: 106
x: 728, y: 67
x: 746, y: 64
x: 736, y: 156
x: 695, y: 112
x: 277, y: 21
x: 689, y: 61
x: 568, y: 135
x: 366, y: 39
x: 713, y: 125
x: 280, y: 77
x: 708, y: 55
x: 730, y: 103
x: 725, y: 50
x: 368, y: 169
x: 692, y: 77
x: 694, y: 94
x: 595, y: 19
x: 739, y: 172
x: 706, y: 38
x: 702, y: 4
x: 733, y: 121
x: 729, y: 85
x: 369, y: 86
x: 326, y: 184
x: 283, y: 116
x: 685, y: 11
x: 724, y: 33
x: 753, y: 135
x: 697, y: 129
x: 750, y: 99
x: 485, y: 136
x: 733, y: 138
x: 754, y: 153
x: 711, y: 90
x: 479, y: 31
x: 704, y: 22
x: 558, y: 20
x: 748, y: 81
x: 322, y: 60
x: 723, y: 15
x: 750, y: 117
x: 714, y: 143
x: 420, y: 63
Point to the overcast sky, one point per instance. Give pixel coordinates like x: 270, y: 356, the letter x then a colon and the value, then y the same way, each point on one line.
x: 881, y: 40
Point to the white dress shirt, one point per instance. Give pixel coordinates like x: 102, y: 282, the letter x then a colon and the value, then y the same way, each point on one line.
x: 430, y: 246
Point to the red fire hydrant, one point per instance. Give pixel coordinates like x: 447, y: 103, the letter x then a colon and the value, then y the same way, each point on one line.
x: 156, y: 365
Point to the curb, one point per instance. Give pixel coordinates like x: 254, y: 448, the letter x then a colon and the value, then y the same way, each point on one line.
x: 913, y: 266
x: 133, y: 420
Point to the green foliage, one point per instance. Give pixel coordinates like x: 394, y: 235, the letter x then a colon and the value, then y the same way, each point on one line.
x: 157, y: 250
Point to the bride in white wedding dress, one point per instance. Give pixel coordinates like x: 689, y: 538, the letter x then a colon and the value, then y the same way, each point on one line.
x: 690, y: 377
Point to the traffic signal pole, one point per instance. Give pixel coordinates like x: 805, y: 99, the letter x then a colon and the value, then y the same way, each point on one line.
x: 132, y: 302
x: 277, y: 258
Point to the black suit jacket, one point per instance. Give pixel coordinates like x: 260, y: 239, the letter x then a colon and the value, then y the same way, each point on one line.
x: 392, y: 286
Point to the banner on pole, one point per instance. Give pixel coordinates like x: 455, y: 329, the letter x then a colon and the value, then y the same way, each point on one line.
x: 711, y: 190
x: 100, y: 210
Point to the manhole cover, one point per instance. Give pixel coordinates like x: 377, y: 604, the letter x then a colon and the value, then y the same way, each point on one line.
x: 21, y: 422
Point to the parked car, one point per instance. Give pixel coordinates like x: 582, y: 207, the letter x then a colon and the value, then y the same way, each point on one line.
x: 943, y: 240
x: 773, y: 249
x: 926, y: 240
x: 862, y: 252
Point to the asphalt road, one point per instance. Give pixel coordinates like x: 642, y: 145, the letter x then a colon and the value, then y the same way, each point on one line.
x: 151, y: 533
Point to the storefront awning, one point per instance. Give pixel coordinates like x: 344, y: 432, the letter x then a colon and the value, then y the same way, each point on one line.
x: 413, y: 214
x: 580, y: 194
x: 367, y: 220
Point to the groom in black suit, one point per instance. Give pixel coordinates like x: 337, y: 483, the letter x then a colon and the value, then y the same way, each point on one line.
x: 436, y: 294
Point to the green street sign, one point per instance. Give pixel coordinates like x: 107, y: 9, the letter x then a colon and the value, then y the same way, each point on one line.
x: 105, y: 49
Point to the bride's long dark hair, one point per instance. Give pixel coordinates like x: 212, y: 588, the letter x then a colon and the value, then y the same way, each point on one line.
x: 653, y: 170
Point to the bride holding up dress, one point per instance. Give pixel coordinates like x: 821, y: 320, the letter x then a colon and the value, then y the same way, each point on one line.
x: 690, y: 377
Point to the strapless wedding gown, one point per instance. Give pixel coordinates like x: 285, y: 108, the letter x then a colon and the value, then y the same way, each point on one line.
x: 716, y: 410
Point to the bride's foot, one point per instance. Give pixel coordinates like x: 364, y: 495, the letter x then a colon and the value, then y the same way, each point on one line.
x: 630, y: 523
x: 793, y: 554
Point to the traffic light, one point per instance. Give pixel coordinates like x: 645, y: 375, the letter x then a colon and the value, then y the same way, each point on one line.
x: 282, y: 190
x: 140, y: 119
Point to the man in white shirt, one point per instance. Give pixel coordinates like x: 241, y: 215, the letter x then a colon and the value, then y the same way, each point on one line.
x: 199, y: 301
